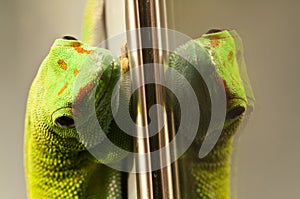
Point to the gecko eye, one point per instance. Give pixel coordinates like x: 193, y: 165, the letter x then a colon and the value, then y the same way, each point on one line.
x: 69, y: 38
x: 65, y: 122
x: 213, y: 31
x: 235, y: 112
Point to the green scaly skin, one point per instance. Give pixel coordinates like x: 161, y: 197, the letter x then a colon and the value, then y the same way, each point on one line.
x: 57, y: 163
x: 209, y: 177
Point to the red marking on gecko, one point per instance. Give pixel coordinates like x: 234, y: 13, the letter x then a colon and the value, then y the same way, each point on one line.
x: 63, y: 89
x: 226, y: 87
x: 79, y: 49
x: 83, y: 91
x: 223, y: 82
x: 62, y: 64
x: 229, y: 57
x: 214, y: 43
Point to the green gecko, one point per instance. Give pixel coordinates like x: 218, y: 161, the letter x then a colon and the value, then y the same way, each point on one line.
x: 57, y: 162
x: 209, y: 177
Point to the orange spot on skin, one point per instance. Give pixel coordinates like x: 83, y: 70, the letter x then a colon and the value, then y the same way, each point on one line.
x: 82, y: 50
x: 63, y: 89
x: 79, y: 49
x: 229, y: 57
x: 214, y: 43
x: 76, y: 71
x: 62, y: 64
x: 76, y: 44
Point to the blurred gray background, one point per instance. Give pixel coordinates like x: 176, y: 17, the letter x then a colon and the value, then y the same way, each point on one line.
x: 267, y: 161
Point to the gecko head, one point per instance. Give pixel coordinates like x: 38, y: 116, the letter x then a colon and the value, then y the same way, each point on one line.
x: 57, y: 75
x: 209, y: 64
x: 70, y: 99
x: 73, y: 82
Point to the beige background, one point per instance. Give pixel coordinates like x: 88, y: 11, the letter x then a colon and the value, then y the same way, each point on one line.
x: 268, y: 160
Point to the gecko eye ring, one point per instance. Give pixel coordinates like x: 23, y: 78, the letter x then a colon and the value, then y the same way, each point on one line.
x: 63, y: 118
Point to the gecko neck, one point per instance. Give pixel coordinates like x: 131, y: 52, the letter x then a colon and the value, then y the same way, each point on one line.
x: 215, y: 172
x: 55, y: 173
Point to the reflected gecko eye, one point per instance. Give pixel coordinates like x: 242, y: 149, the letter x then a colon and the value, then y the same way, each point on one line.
x: 65, y: 122
x: 69, y: 38
x: 235, y: 112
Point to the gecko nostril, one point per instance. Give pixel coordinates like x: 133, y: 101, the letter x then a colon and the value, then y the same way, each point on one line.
x: 65, y: 122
